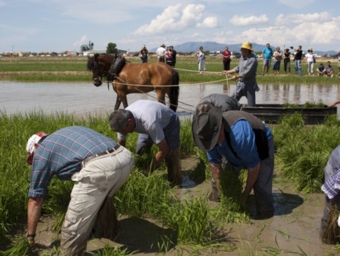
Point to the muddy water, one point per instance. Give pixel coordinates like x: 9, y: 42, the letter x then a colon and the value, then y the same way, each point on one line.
x: 84, y: 98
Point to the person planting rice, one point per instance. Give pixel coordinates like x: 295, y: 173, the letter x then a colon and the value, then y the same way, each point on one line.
x: 96, y: 164
x: 222, y: 101
x: 155, y: 123
x: 330, y: 230
x: 245, y: 142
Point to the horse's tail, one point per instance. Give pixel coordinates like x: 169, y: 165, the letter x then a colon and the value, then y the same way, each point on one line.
x: 174, y: 92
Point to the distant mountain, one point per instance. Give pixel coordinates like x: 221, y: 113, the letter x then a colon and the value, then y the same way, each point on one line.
x: 213, y: 47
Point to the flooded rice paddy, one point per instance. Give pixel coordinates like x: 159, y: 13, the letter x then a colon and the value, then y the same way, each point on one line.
x: 85, y: 98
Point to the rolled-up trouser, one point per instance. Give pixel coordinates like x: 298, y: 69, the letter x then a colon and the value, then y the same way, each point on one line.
x: 248, y: 90
x: 98, y: 179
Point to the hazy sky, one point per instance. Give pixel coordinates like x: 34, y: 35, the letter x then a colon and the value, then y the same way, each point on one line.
x: 60, y: 25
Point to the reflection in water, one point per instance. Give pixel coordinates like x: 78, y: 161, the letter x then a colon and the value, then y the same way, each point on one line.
x: 83, y: 98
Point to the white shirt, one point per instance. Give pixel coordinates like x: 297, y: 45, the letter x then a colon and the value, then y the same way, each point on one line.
x: 160, y: 51
x: 151, y: 118
x: 309, y: 57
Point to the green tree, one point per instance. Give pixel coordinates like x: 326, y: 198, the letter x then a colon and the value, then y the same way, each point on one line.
x: 111, y: 48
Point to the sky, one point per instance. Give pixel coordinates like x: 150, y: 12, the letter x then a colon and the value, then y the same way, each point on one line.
x: 65, y: 25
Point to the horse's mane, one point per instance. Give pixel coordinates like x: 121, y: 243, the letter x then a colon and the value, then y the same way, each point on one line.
x: 90, y: 62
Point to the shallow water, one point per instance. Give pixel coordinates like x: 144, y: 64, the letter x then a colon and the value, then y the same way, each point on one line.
x: 85, y: 98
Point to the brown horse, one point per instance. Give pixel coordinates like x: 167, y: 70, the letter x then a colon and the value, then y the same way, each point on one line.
x: 136, y: 78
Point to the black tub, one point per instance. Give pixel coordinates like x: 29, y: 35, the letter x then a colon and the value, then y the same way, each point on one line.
x: 271, y: 113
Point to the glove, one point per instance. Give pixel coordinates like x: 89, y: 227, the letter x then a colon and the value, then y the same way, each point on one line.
x: 30, y: 240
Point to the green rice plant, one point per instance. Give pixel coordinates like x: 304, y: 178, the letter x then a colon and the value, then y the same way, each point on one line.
x: 143, y: 196
x: 112, y: 251
x: 187, y: 143
x: 231, y: 209
x: 191, y: 220
x: 19, y: 246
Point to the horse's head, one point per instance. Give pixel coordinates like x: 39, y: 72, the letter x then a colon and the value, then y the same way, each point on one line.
x: 99, y: 64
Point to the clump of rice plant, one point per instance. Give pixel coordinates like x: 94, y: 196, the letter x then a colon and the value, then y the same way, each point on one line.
x: 112, y: 251
x: 20, y: 247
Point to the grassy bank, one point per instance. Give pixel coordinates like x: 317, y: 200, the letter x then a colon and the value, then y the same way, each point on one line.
x: 301, y: 154
x: 74, y: 69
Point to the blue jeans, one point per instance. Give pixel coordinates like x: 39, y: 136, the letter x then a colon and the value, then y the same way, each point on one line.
x: 298, y: 69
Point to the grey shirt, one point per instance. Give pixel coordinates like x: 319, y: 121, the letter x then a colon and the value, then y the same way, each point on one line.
x: 247, y: 67
x: 222, y: 101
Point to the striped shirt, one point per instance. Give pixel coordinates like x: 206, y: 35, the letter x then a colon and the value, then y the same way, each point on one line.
x: 61, y: 153
x: 331, y: 187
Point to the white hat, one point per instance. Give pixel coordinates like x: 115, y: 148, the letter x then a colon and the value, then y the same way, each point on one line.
x: 34, y: 139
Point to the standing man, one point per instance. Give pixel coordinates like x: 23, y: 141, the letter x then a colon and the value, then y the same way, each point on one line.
x: 246, y: 69
x: 174, y: 55
x: 161, y: 53
x: 267, y: 58
x: 297, y: 59
x: 226, y: 58
x: 155, y: 123
x: 245, y: 142
x: 201, y: 59
x: 144, y: 54
x: 97, y: 165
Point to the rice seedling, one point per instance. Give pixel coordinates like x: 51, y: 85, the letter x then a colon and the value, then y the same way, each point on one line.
x: 194, y: 221
x: 115, y: 251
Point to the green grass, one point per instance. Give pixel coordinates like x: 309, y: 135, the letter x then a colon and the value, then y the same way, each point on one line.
x: 65, y: 69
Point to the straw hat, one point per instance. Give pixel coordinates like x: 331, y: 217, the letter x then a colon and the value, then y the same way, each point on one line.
x: 247, y: 45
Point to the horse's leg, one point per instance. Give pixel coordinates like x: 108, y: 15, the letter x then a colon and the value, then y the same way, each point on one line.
x: 118, y: 101
x: 160, y: 96
x: 123, y: 98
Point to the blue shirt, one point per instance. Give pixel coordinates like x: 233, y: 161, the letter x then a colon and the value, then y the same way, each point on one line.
x: 331, y: 187
x: 61, y: 153
x: 242, y: 140
x: 267, y: 53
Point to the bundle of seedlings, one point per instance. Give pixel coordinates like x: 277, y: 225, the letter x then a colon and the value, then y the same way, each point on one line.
x: 331, y: 235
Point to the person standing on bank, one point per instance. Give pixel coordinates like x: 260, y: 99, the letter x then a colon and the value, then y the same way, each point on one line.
x: 286, y: 61
x: 174, y: 55
x: 156, y: 124
x: 201, y: 59
x: 298, y: 58
x: 226, y: 58
x: 267, y: 58
x: 96, y: 164
x: 245, y: 142
x: 246, y: 75
x: 161, y: 53
x: 144, y: 54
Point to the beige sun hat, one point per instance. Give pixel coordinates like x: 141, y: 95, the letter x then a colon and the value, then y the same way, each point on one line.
x: 247, y: 45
